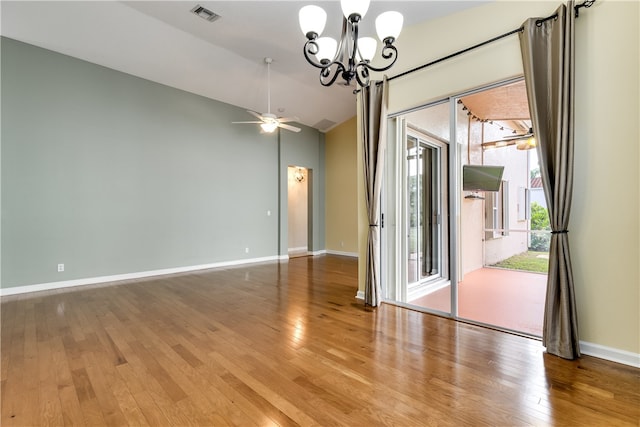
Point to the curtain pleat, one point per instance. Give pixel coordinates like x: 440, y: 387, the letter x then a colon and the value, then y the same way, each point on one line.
x: 548, y: 59
x: 373, y: 123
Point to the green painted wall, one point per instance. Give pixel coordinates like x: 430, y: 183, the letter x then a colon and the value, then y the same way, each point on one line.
x: 112, y: 174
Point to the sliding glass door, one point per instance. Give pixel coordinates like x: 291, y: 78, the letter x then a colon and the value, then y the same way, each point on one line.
x: 424, y: 212
x: 416, y: 230
x: 455, y: 245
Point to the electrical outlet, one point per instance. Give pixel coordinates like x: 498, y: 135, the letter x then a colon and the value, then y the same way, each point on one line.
x: 246, y: 250
x: 60, y: 268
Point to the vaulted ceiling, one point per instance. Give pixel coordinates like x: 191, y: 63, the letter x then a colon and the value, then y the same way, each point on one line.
x: 164, y: 41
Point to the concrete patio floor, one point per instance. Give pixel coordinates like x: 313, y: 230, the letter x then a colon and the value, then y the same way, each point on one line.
x: 507, y: 299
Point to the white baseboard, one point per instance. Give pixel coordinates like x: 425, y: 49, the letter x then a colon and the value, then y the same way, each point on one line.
x: 350, y: 254
x: 360, y: 295
x: 128, y: 276
x: 298, y: 249
x: 611, y: 354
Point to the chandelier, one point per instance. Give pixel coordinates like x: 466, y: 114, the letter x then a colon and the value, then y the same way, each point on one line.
x: 351, y: 57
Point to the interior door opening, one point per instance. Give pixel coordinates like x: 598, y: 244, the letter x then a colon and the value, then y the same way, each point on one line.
x: 298, y: 211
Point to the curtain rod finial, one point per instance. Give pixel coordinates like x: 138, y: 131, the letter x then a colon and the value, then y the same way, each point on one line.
x: 586, y: 3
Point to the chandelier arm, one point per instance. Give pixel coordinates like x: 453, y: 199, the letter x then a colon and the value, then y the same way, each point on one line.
x: 354, y: 37
x: 389, y: 51
x: 362, y: 74
x: 326, y: 72
x: 311, y: 48
x: 343, y: 45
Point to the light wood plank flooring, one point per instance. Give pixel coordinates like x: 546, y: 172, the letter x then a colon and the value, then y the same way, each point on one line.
x: 282, y: 344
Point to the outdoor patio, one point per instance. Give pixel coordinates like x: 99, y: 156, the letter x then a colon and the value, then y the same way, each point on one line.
x: 508, y: 299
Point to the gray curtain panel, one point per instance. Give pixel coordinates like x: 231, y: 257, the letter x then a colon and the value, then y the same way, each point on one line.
x: 548, y: 58
x: 373, y: 124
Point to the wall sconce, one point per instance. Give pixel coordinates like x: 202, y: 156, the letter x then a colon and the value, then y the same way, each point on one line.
x: 299, y: 175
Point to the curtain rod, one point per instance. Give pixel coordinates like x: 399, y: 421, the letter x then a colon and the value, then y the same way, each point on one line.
x: 586, y: 3
x: 460, y: 52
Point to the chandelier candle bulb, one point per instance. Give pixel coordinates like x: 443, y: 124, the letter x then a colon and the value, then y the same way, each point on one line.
x: 354, y: 7
x: 367, y: 48
x: 389, y: 25
x: 312, y: 20
x: 327, y: 48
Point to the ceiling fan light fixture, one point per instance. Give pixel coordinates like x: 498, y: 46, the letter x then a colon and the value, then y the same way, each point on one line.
x: 269, y: 122
x: 527, y: 144
x: 269, y: 127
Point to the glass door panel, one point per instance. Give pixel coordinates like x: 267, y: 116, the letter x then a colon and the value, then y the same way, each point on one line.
x: 423, y: 210
x: 492, y: 244
x: 427, y: 285
x: 415, y: 238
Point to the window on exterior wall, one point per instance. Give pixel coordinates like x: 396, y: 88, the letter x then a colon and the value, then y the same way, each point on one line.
x: 524, y: 204
x: 497, y: 212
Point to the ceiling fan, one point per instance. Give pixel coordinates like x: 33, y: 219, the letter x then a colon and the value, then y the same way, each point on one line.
x: 524, y: 141
x: 268, y: 121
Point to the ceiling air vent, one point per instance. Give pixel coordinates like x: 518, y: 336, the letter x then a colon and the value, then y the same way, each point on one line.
x: 205, y: 13
x: 324, y: 124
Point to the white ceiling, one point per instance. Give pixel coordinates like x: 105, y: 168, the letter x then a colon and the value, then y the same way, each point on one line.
x: 164, y: 42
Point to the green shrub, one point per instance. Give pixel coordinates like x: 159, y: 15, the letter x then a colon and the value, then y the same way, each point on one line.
x: 540, y: 221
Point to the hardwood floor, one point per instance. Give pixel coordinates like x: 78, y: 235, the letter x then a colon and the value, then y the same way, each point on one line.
x: 282, y: 344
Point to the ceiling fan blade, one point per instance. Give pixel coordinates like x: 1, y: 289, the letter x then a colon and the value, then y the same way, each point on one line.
x: 520, y: 136
x: 509, y: 140
x: 516, y: 137
x: 248, y: 122
x: 254, y: 113
x: 289, y: 127
x: 500, y: 143
x: 288, y: 119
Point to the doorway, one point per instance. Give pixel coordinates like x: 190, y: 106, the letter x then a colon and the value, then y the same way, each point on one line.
x: 503, y: 269
x: 298, y: 179
x: 468, y: 253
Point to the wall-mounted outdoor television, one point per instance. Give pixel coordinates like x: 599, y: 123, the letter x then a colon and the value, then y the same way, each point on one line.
x: 481, y: 177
